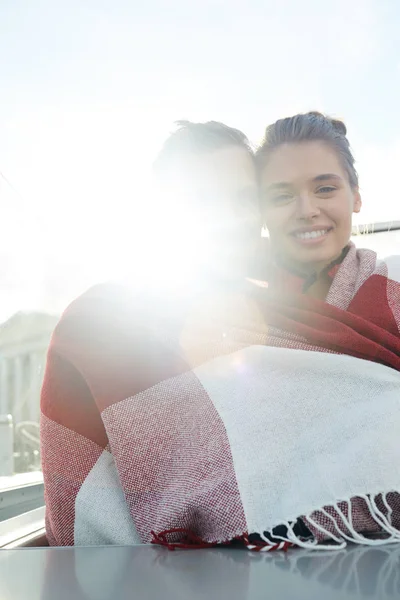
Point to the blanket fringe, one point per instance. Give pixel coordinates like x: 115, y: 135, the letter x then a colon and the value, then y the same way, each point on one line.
x: 344, y: 528
x: 349, y: 534
x: 336, y: 537
x: 192, y: 542
x: 266, y: 546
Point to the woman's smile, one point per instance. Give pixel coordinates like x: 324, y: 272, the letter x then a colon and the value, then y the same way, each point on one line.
x: 311, y: 236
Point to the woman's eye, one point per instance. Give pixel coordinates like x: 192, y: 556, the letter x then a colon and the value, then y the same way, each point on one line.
x: 326, y: 189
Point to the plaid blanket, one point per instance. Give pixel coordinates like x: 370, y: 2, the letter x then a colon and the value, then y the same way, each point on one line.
x: 231, y: 413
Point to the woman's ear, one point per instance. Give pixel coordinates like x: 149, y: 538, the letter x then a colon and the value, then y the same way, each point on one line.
x: 357, y: 201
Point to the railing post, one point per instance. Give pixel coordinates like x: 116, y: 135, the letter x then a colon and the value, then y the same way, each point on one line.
x: 18, y: 400
x: 4, y: 391
x: 6, y: 446
x: 34, y: 388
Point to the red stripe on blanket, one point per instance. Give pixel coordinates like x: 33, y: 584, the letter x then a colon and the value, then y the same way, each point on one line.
x: 331, y: 328
x: 174, y: 461
x: 393, y: 295
x: 66, y: 399
x: 64, y: 473
x: 371, y: 303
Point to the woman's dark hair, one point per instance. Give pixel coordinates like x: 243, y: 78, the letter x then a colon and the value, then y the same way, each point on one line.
x: 309, y: 127
x: 196, y: 138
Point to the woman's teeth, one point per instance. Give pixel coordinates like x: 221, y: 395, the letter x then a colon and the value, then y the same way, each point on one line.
x: 309, y: 235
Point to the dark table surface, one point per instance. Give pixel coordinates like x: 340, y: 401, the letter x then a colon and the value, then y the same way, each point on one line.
x: 119, y: 573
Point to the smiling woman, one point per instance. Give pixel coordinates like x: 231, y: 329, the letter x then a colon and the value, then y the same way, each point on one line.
x: 309, y: 190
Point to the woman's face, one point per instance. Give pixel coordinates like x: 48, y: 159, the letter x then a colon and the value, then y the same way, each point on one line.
x: 307, y: 203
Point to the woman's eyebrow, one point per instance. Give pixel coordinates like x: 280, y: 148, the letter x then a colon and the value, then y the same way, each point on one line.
x: 282, y: 185
x: 326, y: 177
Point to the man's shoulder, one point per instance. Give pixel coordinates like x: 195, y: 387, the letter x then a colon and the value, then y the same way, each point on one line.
x: 107, y: 298
x: 119, y: 310
x: 101, y: 313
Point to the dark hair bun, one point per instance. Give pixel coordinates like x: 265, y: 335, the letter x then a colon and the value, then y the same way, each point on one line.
x: 339, y: 126
x: 315, y: 113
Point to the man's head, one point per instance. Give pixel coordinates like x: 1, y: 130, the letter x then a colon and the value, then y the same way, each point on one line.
x: 206, y: 184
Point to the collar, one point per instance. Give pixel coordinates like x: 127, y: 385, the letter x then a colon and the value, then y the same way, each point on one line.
x: 288, y: 279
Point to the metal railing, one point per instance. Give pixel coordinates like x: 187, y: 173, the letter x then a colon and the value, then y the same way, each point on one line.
x: 383, y: 227
x: 6, y: 446
x: 21, y: 375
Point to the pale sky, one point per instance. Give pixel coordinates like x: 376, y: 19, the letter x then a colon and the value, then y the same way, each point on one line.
x: 90, y: 88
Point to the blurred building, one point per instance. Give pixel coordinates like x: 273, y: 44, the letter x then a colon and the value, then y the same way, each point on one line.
x: 24, y: 339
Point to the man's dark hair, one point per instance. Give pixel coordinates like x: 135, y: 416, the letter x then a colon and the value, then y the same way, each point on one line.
x: 196, y: 138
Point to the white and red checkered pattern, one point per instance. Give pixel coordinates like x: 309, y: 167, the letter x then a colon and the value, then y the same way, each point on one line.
x: 226, y: 414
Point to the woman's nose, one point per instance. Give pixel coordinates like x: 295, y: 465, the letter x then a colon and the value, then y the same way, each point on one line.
x: 306, y: 207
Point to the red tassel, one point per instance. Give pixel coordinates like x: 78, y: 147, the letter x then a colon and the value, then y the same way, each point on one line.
x: 194, y: 542
x: 259, y: 546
